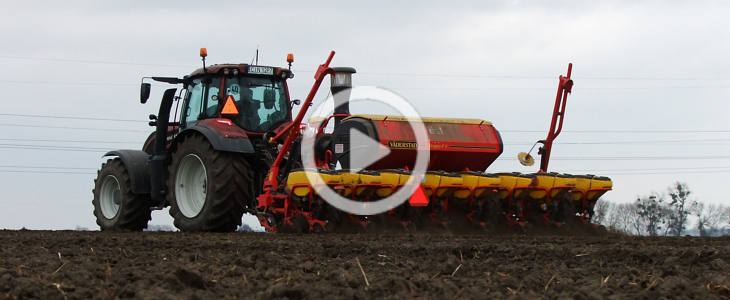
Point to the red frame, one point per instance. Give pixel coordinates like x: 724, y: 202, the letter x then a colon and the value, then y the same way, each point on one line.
x: 271, y: 182
x: 565, y: 85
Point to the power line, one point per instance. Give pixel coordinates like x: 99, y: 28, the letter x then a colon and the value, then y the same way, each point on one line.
x: 45, y: 172
x: 52, y: 146
x: 647, y: 169
x: 366, y: 73
x: 633, y: 158
x: 68, y: 117
x: 45, y: 167
x: 87, y: 61
x: 136, y: 142
x: 67, y: 83
x: 527, y: 77
x: 502, y: 130
x: 54, y: 149
x: 564, y: 171
x: 71, y: 127
x: 648, y: 141
x: 687, y: 142
x: 604, y: 174
x: 609, y: 174
x: 445, y: 88
x: 553, y: 88
x: 623, y: 158
x: 69, y: 141
x: 659, y: 173
x: 598, y: 158
x: 627, y: 131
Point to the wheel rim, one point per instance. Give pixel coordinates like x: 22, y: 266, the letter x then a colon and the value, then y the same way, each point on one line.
x: 191, y: 185
x: 110, y: 197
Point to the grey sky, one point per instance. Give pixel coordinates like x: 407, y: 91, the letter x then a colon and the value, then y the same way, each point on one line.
x: 651, y: 66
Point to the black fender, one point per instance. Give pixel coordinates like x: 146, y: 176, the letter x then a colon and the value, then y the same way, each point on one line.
x: 136, y: 163
x: 238, y: 144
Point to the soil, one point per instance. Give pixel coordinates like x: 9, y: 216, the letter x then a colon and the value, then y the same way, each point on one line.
x: 174, y: 265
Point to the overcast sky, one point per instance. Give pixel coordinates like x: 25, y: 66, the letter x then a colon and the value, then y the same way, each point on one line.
x: 649, y: 107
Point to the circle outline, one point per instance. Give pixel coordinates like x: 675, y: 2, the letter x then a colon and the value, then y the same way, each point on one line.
x: 404, y: 192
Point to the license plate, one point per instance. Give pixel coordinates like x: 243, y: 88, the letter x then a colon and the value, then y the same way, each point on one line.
x: 259, y: 70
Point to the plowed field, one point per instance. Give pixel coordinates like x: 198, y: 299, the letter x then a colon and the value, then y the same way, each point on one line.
x: 154, y: 265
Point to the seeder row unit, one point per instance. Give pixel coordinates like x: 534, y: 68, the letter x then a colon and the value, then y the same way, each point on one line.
x: 483, y: 199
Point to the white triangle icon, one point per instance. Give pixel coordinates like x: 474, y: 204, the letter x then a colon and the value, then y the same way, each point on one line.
x: 364, y: 151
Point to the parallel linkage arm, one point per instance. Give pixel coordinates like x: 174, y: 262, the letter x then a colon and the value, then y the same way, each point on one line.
x: 565, y: 85
x: 293, y: 130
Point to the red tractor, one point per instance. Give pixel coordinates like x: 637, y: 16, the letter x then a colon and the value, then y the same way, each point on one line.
x: 233, y: 146
x: 208, y: 164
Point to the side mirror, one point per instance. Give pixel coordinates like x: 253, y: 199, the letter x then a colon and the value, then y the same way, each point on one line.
x: 144, y: 92
x: 296, y: 102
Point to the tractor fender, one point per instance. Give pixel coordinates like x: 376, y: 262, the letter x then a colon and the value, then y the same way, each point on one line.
x: 223, y: 138
x: 136, y: 163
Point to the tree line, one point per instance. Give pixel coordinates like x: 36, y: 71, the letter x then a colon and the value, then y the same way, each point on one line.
x: 673, y: 213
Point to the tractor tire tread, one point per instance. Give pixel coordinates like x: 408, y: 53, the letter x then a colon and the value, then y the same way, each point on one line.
x: 230, y: 175
x: 134, y: 211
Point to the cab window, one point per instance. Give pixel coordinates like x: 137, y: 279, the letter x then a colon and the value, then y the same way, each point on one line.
x: 261, y: 100
x: 194, y: 101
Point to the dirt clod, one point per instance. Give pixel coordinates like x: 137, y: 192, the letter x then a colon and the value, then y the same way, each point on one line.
x: 190, y: 278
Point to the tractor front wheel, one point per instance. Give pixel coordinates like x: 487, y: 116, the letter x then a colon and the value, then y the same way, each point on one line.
x: 207, y: 188
x: 115, y: 206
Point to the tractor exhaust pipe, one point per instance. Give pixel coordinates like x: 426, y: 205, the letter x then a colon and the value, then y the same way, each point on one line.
x: 340, y: 87
x: 159, y: 154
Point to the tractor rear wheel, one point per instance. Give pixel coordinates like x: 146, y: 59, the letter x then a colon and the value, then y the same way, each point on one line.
x: 207, y: 189
x: 115, y: 206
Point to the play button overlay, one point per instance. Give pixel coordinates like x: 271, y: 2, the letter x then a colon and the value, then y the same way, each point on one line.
x: 364, y: 151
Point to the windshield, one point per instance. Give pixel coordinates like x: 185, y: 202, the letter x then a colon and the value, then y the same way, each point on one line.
x: 261, y: 101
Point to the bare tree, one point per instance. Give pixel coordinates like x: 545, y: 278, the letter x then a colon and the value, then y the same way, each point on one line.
x: 651, y: 213
x: 669, y: 219
x: 600, y: 211
x: 726, y: 221
x: 611, y: 221
x: 624, y: 217
x: 632, y: 220
x: 678, y: 209
x: 620, y: 218
x: 710, y: 218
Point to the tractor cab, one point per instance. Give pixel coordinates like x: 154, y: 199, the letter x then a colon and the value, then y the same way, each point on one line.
x: 255, y: 98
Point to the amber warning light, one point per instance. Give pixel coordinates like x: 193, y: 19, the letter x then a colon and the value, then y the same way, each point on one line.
x: 290, y: 59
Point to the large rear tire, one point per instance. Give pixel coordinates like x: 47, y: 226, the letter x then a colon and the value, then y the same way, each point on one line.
x: 207, y: 189
x: 115, y: 206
